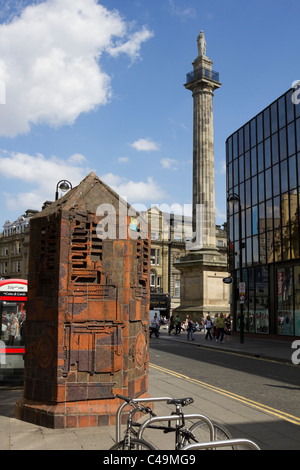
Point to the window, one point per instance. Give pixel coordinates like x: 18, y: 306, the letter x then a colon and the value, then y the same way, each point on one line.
x: 267, y: 122
x: 152, y: 279
x: 177, y: 288
x: 275, y: 153
x: 253, y: 132
x: 298, y: 133
x: 284, y: 176
x: 259, y: 128
x: 229, y: 149
x: 253, y: 161
x: 290, y: 107
x: 260, y: 157
x: 291, y: 139
x: 246, y: 138
x: 241, y: 142
x: 282, y: 143
x: 268, y: 183
x: 274, y: 123
x: 285, y: 296
x: 292, y: 172
x: 281, y: 112
x: 267, y: 153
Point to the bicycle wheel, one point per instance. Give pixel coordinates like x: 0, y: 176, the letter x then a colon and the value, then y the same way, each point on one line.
x: 135, y: 444
x: 201, y: 433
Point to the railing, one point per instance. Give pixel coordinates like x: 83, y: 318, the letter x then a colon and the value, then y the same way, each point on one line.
x: 202, y: 73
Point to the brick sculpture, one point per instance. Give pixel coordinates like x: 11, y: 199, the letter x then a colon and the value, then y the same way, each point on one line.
x: 87, y: 315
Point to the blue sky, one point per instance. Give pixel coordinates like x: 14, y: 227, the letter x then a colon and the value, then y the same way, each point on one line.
x: 98, y: 86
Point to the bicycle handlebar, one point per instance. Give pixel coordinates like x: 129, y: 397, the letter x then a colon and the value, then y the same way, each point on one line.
x: 136, y: 405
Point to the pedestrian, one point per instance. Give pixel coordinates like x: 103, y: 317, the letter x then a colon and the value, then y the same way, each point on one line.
x: 154, y: 326
x: 208, y: 325
x: 171, y: 325
x: 215, y: 326
x: 190, y: 327
x: 202, y: 324
x: 14, y: 330
x: 220, y: 322
x: 227, y: 327
x: 177, y: 325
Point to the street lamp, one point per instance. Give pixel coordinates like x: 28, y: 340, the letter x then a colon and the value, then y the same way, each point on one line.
x: 235, y: 199
x: 64, y: 186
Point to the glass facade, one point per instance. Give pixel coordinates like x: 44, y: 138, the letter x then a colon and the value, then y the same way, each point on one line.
x: 263, y: 169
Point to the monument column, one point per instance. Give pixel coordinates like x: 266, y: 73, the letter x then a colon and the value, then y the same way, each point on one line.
x: 204, y: 267
x: 202, y: 81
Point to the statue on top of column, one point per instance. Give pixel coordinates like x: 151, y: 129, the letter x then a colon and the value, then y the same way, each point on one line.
x: 201, y: 44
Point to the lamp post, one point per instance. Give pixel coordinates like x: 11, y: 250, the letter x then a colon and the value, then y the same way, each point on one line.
x: 64, y: 186
x: 235, y: 199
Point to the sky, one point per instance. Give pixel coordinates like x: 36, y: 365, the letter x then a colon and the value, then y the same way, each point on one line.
x: 89, y: 85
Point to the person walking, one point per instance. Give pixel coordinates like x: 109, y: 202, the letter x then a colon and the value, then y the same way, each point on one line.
x: 227, y: 327
x: 208, y: 325
x: 154, y: 327
x: 190, y: 327
x: 171, y: 325
x: 177, y: 325
x: 220, y: 321
x: 14, y: 330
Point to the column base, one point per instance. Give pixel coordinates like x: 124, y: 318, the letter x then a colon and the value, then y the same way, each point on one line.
x: 80, y: 414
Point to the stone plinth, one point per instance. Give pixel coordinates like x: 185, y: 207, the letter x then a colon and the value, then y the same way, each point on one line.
x: 202, y: 290
x: 87, y: 316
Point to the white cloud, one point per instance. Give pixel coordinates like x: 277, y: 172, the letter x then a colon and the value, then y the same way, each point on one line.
x: 221, y: 168
x: 50, y: 61
x: 133, y: 45
x: 145, y: 145
x: 39, y: 171
x: 183, y: 11
x: 134, y: 191
x: 77, y: 158
x: 123, y: 159
x: 169, y: 163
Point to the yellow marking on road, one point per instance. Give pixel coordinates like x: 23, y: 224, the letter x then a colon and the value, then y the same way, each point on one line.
x: 247, y: 401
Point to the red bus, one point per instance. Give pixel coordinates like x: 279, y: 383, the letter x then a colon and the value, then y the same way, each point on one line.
x: 13, y: 297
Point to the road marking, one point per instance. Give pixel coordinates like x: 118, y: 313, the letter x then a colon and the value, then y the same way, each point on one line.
x: 246, y: 401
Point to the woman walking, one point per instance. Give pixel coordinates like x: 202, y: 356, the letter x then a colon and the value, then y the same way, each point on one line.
x: 208, y: 325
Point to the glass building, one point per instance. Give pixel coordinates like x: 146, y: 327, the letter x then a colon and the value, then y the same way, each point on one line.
x: 263, y: 174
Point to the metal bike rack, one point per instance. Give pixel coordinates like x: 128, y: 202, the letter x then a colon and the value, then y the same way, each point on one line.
x: 226, y: 443
x: 175, y: 418
x: 135, y: 400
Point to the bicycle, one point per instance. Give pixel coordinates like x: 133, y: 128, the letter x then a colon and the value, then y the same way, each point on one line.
x: 201, y: 431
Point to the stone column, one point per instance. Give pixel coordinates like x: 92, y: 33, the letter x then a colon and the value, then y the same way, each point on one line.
x: 203, y: 268
x: 202, y: 82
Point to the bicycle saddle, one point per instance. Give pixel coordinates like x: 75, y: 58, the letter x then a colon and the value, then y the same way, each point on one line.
x: 181, y: 401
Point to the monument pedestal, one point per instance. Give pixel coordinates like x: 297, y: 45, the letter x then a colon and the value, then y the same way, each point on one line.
x: 202, y: 290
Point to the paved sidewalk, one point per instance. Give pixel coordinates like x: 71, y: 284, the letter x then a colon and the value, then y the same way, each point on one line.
x: 277, y: 350
x: 243, y: 421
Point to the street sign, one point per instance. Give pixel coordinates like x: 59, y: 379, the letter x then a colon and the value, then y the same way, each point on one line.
x: 242, y: 292
x: 227, y: 280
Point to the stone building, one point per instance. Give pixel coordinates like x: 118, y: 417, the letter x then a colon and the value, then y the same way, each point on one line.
x: 171, y: 236
x: 14, y: 242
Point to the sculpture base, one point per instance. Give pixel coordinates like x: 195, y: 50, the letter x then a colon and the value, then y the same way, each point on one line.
x: 202, y: 287
x: 80, y: 414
